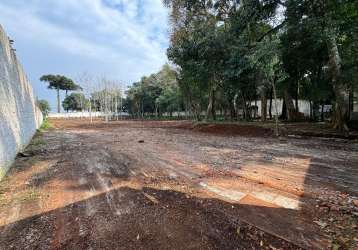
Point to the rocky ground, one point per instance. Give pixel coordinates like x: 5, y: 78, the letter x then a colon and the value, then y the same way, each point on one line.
x: 172, y: 185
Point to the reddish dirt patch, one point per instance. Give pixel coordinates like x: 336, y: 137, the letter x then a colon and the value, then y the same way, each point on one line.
x: 94, y: 186
x: 233, y: 129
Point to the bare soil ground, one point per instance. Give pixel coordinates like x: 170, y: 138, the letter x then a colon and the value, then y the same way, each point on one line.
x: 172, y: 185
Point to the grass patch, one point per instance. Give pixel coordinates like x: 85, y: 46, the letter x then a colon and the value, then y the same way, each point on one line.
x: 27, y: 195
x: 46, y: 125
x: 3, y: 172
x: 27, y: 163
x: 3, y: 200
x: 36, y: 142
x: 30, y: 194
x: 3, y: 185
x: 35, y: 145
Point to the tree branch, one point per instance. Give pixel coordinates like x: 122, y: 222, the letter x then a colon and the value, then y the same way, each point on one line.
x: 271, y: 31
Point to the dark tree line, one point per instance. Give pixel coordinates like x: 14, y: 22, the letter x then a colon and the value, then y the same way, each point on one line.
x: 155, y: 95
x: 230, y: 53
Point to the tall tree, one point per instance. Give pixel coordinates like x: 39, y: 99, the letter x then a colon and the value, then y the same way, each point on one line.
x: 333, y: 26
x: 223, y: 49
x: 59, y: 82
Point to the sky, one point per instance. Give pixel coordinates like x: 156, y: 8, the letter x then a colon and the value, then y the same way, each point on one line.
x: 121, y: 39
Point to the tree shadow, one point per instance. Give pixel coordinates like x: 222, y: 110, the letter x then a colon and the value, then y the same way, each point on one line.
x: 114, y: 218
x: 126, y: 218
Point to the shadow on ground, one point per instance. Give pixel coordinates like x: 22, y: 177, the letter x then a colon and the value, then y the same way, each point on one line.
x: 154, y: 218
x: 140, y: 219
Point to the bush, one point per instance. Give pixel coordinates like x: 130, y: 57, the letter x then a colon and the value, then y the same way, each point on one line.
x: 44, y: 106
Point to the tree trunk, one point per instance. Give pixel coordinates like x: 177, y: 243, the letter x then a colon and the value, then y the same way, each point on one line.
x: 116, y: 108
x: 315, y: 111
x: 276, y: 108
x: 58, y: 101
x: 270, y: 107
x: 232, y: 110
x: 196, y: 111
x: 291, y: 111
x: 263, y: 106
x: 156, y: 111
x: 351, y: 103
x: 341, y: 106
x: 296, y: 97
x: 236, y: 106
x: 340, y: 116
x: 255, y: 110
x: 211, y: 106
x: 283, y: 110
x: 247, y: 111
x: 90, y: 109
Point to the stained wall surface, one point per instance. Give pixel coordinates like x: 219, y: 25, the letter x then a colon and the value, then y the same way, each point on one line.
x: 19, y: 115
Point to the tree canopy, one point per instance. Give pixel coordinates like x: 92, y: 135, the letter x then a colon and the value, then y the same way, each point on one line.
x: 59, y: 82
x: 156, y: 94
x: 231, y: 53
x: 75, y: 102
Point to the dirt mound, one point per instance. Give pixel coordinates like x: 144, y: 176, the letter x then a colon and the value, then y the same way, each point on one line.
x: 100, y: 124
x: 233, y: 129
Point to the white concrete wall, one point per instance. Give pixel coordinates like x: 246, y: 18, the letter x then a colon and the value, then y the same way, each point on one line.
x: 84, y: 114
x: 303, y: 106
x: 75, y: 115
x: 19, y: 115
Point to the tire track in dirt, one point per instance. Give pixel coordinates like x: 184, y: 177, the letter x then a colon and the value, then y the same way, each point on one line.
x: 98, y: 168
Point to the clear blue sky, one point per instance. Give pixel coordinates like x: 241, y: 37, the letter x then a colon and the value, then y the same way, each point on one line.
x: 122, y: 39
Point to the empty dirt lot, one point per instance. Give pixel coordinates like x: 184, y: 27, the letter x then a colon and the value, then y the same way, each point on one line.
x: 167, y: 185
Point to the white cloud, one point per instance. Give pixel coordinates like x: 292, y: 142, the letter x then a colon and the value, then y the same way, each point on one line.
x: 116, y: 33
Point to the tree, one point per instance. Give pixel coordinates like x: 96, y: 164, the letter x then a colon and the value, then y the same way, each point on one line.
x: 107, y: 98
x: 44, y: 106
x: 69, y: 85
x: 211, y: 43
x: 332, y: 25
x: 155, y: 94
x: 58, y: 83
x: 87, y: 81
x: 75, y: 102
x: 222, y: 50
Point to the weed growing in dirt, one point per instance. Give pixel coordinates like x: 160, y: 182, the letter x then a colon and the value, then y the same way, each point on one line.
x: 3, y: 185
x: 3, y: 188
x: 37, y: 142
x: 27, y: 163
x: 46, y: 125
x: 29, y: 195
x: 2, y: 200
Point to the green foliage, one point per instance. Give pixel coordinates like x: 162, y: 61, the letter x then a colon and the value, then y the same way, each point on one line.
x: 156, y: 94
x: 75, y: 102
x: 45, y: 125
x: 214, y: 43
x: 44, y: 106
x: 229, y: 53
x: 59, y: 82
